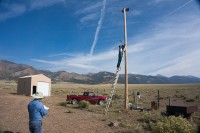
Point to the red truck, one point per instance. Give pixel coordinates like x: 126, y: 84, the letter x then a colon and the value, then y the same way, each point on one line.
x: 87, y: 96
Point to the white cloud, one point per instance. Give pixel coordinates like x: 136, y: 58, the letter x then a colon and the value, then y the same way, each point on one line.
x: 155, y: 2
x: 184, y: 65
x: 135, y: 12
x: 88, y: 17
x: 48, y: 62
x: 66, y: 54
x: 82, y: 66
x: 178, y: 8
x: 37, y: 4
x: 83, y: 63
x: 12, y: 10
x: 16, y: 9
x: 172, y: 48
x: 89, y: 8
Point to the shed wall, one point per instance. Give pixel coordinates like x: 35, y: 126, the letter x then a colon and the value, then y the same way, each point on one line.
x: 24, y: 86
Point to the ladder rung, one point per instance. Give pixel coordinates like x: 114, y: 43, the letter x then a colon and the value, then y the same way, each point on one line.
x: 112, y: 91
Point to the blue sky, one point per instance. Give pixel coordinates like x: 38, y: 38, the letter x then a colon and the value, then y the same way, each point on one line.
x: 83, y: 36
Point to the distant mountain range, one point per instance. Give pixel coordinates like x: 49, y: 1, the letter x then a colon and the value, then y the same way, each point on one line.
x: 12, y: 71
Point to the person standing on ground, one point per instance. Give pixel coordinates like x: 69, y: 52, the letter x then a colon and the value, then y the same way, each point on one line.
x: 37, y: 110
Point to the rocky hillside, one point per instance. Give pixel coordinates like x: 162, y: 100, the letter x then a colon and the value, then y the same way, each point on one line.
x: 12, y: 71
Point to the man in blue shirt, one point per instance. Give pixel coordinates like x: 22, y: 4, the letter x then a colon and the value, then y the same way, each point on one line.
x: 120, y: 55
x: 37, y: 110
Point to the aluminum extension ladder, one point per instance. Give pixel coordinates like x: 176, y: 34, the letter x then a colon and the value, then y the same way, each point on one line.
x: 112, y: 91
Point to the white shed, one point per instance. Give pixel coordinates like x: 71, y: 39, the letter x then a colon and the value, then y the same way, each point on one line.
x: 28, y: 85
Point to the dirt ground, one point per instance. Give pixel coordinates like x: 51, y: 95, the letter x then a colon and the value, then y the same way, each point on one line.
x: 61, y: 119
x: 14, y: 116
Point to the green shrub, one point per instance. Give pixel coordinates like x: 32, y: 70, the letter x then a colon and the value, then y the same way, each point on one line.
x: 152, y: 116
x: 190, y: 100
x: 116, y: 96
x: 125, y: 124
x: 138, y: 128
x: 133, y: 102
x: 172, y: 124
x: 62, y: 104
x: 84, y: 104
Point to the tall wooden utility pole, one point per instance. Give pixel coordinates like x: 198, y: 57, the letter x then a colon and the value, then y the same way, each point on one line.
x: 126, y: 60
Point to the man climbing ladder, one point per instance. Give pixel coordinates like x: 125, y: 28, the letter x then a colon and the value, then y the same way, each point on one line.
x: 120, y: 56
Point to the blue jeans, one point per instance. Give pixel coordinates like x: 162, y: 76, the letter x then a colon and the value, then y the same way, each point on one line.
x: 35, y: 126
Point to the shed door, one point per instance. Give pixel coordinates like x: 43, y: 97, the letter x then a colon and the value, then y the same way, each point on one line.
x: 43, y: 87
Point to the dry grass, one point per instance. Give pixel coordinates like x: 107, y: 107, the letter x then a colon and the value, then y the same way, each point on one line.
x: 179, y: 94
x: 8, y: 85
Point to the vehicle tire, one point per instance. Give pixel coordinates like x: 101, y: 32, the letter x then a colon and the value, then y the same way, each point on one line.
x: 74, y: 101
x: 101, y: 102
